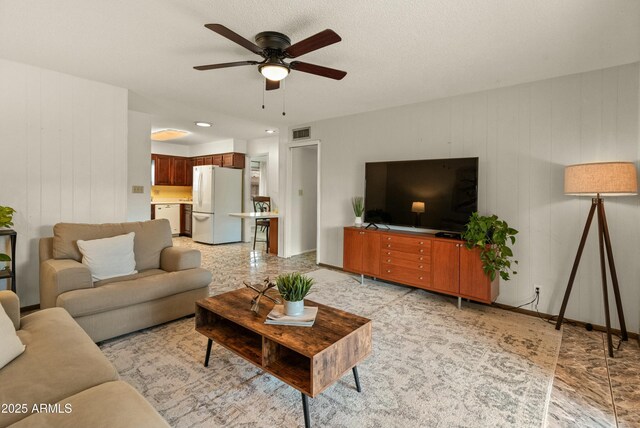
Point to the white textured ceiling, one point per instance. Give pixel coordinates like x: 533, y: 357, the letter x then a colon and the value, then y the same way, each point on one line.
x: 396, y: 52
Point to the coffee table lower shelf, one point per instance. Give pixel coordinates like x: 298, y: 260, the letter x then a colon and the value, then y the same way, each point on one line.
x: 310, y: 373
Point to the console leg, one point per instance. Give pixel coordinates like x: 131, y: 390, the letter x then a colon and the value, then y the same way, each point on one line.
x: 459, y: 302
x: 361, y: 279
x: 357, y: 378
x: 305, y: 409
x: 206, y: 358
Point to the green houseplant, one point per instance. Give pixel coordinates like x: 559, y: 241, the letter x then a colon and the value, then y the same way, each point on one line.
x: 293, y: 287
x: 357, y: 202
x: 494, y: 237
x: 6, y: 220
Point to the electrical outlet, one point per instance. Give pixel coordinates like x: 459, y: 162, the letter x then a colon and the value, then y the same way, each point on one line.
x: 537, y: 288
x: 137, y: 189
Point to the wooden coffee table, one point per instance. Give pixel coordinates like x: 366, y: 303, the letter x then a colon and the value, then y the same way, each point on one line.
x: 310, y: 359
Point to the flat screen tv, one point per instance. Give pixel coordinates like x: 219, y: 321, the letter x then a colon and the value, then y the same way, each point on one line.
x: 435, y: 194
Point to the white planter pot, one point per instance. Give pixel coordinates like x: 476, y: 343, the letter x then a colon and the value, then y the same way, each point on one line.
x: 293, y: 309
x: 358, y: 222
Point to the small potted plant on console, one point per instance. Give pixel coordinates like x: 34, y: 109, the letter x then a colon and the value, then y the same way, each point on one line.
x: 357, y: 202
x: 494, y: 237
x: 293, y: 287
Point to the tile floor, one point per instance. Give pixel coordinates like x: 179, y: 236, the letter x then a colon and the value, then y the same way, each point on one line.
x: 589, y: 390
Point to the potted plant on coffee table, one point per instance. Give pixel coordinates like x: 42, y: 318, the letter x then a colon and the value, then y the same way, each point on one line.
x: 357, y: 202
x: 494, y: 237
x: 293, y: 287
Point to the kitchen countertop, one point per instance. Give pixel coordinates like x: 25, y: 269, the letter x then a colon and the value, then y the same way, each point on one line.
x: 171, y: 202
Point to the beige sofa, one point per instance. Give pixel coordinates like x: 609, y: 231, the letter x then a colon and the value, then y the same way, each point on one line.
x: 61, y: 365
x: 168, y: 282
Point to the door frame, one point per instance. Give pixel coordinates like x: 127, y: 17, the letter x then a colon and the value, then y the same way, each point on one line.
x: 289, y: 195
x: 247, y: 206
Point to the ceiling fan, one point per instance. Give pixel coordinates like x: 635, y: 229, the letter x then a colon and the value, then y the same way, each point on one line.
x: 275, y: 48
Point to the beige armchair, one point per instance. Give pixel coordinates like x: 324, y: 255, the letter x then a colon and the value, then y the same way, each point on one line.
x: 168, y: 282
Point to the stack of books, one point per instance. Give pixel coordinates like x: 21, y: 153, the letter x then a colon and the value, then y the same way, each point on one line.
x: 278, y: 317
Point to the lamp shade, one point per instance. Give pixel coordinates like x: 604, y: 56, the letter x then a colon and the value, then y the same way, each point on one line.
x: 605, y: 178
x: 417, y: 207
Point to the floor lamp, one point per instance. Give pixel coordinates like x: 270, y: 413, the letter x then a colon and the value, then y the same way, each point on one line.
x: 600, y: 179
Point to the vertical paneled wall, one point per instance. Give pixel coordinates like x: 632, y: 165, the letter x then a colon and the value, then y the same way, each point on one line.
x: 63, y: 145
x: 524, y: 136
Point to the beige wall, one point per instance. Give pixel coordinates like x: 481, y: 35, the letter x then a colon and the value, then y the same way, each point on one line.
x: 524, y: 135
x: 64, y: 145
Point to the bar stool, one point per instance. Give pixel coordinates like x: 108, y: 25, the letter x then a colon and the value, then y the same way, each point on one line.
x: 261, y: 204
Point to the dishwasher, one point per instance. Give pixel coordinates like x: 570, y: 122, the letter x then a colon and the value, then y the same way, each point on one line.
x: 172, y: 213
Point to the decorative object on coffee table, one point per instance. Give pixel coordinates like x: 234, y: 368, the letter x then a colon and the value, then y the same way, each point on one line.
x: 261, y: 289
x: 307, y: 359
x: 293, y: 287
x: 357, y: 202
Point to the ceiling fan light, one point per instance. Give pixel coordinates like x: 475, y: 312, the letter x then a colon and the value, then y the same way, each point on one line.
x: 274, y: 72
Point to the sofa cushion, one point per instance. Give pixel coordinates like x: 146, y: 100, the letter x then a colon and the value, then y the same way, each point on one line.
x: 151, y: 238
x: 112, y: 404
x: 109, y: 257
x: 11, y: 345
x: 59, y: 360
x: 141, y: 288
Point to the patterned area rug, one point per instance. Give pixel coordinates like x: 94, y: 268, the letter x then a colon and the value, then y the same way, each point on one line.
x: 432, y: 365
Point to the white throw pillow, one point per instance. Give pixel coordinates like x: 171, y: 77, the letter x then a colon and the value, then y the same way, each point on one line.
x: 10, y: 344
x: 109, y: 257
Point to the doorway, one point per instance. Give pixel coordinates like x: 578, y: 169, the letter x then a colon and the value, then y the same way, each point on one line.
x: 256, y: 184
x: 303, y: 199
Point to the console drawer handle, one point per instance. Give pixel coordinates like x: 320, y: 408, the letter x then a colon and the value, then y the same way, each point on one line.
x: 388, y: 245
x: 388, y: 270
x: 421, y: 258
x: 421, y: 250
x: 420, y: 278
x: 421, y: 243
x: 421, y: 266
x: 388, y: 260
x: 388, y: 238
x: 388, y: 253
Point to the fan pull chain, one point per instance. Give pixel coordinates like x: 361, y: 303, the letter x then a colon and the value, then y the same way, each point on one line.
x: 284, y: 97
x: 264, y: 84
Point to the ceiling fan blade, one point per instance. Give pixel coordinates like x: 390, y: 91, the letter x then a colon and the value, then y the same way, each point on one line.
x: 310, y: 44
x: 234, y: 37
x: 319, y: 70
x: 225, y: 65
x: 270, y: 85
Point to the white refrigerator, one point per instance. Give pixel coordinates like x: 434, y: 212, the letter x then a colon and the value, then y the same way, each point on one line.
x: 217, y: 192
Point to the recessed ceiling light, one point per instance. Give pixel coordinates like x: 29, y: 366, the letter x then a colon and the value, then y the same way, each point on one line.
x: 167, y: 134
x: 203, y: 124
x: 270, y: 131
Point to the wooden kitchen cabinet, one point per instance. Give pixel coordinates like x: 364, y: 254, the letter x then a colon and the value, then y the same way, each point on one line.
x: 185, y: 219
x: 233, y: 160
x: 162, y: 170
x: 190, y: 164
x: 179, y: 172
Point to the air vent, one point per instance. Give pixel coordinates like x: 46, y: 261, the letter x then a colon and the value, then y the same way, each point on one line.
x: 302, y: 133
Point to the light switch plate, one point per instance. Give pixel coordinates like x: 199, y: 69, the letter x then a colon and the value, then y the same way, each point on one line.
x: 137, y: 189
